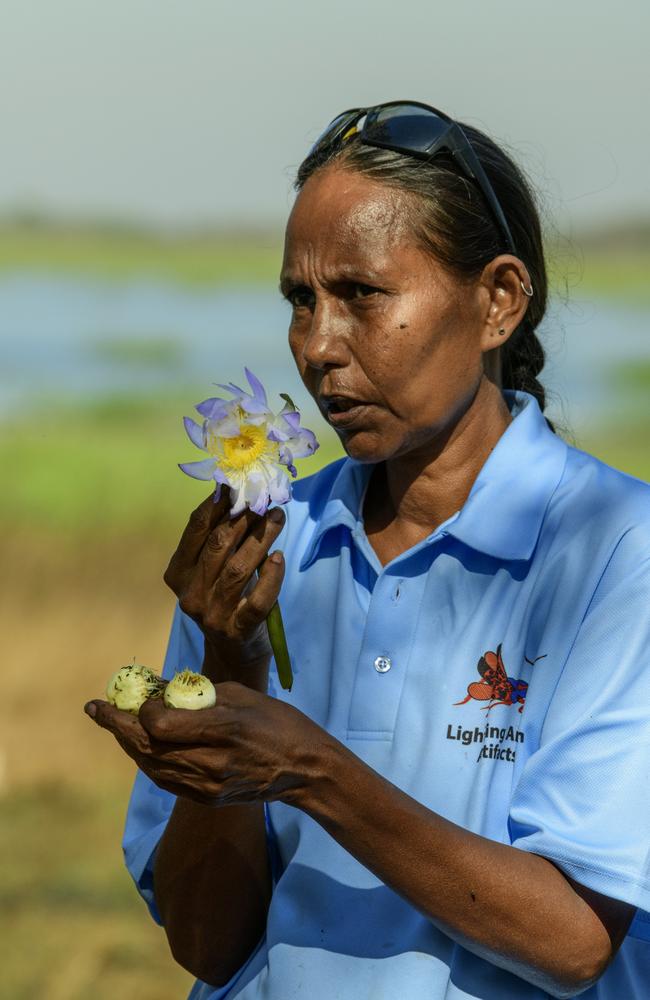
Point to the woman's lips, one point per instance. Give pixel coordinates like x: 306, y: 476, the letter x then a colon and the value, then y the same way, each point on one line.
x: 344, y: 412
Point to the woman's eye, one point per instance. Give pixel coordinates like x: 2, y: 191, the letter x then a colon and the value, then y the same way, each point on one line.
x: 363, y: 291
x: 301, y: 298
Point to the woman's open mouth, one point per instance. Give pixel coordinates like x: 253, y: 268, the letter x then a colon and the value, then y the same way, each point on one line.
x: 342, y: 411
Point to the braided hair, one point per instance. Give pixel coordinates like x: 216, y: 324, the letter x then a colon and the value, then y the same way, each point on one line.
x: 452, y: 221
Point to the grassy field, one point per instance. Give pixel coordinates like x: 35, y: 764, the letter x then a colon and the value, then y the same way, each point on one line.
x: 121, y: 254
x: 617, y: 272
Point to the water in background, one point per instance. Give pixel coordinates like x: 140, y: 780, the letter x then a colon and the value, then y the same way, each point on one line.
x: 73, y: 338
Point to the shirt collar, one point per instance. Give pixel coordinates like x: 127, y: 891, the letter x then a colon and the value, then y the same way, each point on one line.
x: 504, y: 511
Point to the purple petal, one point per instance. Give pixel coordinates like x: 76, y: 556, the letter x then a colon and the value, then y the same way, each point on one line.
x: 194, y: 432
x: 199, y: 470
x: 304, y: 443
x: 278, y: 433
x: 261, y: 503
x: 252, y: 405
x: 231, y: 387
x: 258, y: 389
x: 286, y: 458
x: 220, y: 476
x: 292, y: 417
x: 213, y: 408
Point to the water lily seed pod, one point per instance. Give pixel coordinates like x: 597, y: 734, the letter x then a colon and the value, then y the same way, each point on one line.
x: 130, y: 687
x: 188, y: 689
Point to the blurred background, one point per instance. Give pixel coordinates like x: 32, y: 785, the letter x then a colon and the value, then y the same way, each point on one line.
x: 148, y: 153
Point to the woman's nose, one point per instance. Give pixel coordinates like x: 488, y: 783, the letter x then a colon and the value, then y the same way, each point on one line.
x: 326, y: 343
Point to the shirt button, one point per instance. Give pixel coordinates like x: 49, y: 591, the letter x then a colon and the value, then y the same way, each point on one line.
x: 382, y: 664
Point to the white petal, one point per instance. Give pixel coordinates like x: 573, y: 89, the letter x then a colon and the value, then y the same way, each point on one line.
x: 303, y: 444
x: 226, y: 428
x: 280, y: 488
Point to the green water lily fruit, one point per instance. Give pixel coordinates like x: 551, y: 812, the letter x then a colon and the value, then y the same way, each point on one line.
x: 188, y: 689
x: 131, y: 686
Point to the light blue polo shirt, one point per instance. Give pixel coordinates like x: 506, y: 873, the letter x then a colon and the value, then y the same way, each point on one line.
x: 498, y: 672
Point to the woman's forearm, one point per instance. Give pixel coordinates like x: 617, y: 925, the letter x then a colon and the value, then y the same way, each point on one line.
x: 212, y: 879
x: 212, y: 886
x: 509, y: 907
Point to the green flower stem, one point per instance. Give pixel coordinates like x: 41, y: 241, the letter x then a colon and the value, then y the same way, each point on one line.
x: 278, y: 639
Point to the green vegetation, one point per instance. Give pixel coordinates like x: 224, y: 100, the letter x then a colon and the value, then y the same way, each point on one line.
x: 138, y: 352
x: 625, y: 447
x: 623, y: 276
x: 614, y: 268
x: 632, y: 376
x: 118, y: 254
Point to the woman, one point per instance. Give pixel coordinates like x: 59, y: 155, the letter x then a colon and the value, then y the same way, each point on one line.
x: 450, y: 802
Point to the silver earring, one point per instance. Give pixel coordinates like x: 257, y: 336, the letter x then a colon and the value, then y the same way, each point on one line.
x: 526, y: 291
x: 502, y: 330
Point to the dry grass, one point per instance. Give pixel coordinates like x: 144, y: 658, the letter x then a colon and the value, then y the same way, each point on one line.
x: 70, y: 618
x: 71, y: 922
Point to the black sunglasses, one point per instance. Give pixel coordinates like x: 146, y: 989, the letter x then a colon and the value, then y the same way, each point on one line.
x: 417, y: 130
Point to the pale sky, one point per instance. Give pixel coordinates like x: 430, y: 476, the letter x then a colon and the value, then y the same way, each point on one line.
x: 178, y: 112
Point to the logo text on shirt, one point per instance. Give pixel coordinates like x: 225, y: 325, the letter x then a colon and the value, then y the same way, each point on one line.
x: 483, y: 734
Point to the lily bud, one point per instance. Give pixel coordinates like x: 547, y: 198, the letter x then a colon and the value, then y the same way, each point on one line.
x: 188, y: 689
x: 130, y: 687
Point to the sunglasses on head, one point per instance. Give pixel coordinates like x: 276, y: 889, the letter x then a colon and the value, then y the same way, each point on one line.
x: 417, y: 130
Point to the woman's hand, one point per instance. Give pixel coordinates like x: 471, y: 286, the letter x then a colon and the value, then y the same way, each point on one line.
x: 248, y: 748
x: 211, y: 572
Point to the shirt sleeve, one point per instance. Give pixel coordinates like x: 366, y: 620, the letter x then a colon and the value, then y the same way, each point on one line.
x: 582, y: 797
x: 149, y: 806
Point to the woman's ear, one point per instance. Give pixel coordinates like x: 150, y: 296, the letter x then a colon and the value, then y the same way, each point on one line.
x: 507, y: 283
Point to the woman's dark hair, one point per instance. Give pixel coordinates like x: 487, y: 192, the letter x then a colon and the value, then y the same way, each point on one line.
x: 452, y: 221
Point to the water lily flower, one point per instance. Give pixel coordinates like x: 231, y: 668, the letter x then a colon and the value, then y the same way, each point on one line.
x: 251, y: 449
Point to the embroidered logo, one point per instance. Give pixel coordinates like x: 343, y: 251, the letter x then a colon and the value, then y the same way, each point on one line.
x: 495, y: 686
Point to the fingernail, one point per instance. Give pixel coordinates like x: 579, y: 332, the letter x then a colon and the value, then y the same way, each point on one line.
x: 276, y: 515
x: 276, y: 557
x: 91, y: 709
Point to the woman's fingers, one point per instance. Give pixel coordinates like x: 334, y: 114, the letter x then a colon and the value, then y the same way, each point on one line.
x: 254, y: 608
x: 124, y: 726
x: 181, y: 726
x: 202, y: 521
x: 241, y: 566
x: 221, y: 544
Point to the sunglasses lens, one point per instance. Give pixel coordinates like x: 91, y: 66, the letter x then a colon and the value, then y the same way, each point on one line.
x: 336, y: 128
x: 406, y: 126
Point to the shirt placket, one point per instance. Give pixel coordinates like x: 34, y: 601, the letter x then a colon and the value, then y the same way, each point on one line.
x: 389, y: 635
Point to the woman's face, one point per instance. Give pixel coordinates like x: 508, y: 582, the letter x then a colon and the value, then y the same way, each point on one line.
x: 388, y: 343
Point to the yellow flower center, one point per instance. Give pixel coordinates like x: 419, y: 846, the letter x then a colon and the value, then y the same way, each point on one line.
x: 246, y: 448
x: 238, y: 454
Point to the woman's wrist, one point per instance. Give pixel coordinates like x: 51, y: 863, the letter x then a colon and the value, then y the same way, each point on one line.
x: 221, y: 663
x: 323, y: 772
